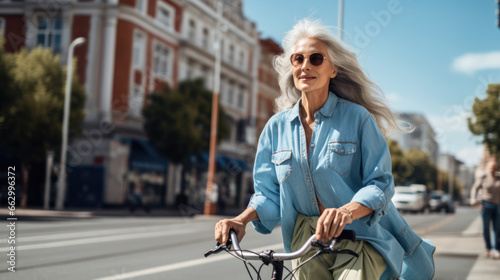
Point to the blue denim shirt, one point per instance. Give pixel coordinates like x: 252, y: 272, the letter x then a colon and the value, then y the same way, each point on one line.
x: 348, y: 160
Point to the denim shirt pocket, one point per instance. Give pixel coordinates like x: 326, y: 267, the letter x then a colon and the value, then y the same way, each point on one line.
x: 282, y: 164
x: 340, y: 155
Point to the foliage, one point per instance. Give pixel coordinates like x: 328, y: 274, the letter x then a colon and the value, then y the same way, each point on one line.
x: 178, y: 120
x: 31, y: 111
x: 398, y: 162
x: 31, y: 116
x: 486, y: 119
x: 415, y: 167
x: 457, y: 185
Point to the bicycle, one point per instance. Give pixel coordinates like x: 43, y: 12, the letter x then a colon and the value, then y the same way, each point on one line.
x: 277, y: 259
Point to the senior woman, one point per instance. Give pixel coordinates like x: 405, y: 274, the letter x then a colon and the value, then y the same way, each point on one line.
x: 322, y: 165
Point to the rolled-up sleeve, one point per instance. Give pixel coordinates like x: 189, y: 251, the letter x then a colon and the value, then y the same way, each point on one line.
x: 266, y: 199
x: 378, y: 182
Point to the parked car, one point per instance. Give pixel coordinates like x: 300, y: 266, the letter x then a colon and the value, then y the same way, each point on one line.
x: 441, y: 201
x: 424, y: 192
x: 407, y: 198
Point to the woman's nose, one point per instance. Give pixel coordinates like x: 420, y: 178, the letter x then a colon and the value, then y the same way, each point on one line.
x: 306, y: 64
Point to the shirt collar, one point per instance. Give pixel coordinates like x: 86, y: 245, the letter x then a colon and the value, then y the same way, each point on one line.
x: 326, y: 110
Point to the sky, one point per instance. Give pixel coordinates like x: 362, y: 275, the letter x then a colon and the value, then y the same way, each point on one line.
x: 428, y: 57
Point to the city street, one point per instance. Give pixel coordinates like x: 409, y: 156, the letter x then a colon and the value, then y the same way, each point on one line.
x: 144, y: 247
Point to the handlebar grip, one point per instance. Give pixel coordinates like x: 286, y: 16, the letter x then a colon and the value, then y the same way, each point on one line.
x: 347, y: 234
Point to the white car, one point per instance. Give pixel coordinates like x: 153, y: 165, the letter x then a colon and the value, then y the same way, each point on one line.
x: 407, y: 198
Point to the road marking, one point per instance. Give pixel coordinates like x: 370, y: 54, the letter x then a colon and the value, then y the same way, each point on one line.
x: 475, y: 228
x: 436, y: 226
x: 185, y: 264
x: 99, y: 239
x: 61, y: 236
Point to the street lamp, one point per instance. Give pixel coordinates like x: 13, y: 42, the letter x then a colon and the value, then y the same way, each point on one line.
x: 211, y: 196
x: 61, y: 192
x: 341, y: 18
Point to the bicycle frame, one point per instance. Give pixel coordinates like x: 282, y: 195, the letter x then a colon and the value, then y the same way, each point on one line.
x: 276, y: 259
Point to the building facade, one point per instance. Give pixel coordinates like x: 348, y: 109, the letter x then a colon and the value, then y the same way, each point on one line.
x: 422, y: 138
x: 133, y: 48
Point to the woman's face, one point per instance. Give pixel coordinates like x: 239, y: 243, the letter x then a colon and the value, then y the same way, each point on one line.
x: 308, y: 77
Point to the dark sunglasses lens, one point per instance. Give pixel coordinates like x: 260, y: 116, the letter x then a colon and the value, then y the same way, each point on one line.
x: 297, y: 59
x: 316, y: 59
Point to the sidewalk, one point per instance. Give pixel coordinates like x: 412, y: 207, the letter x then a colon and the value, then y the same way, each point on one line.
x: 469, y: 244
x: 32, y: 214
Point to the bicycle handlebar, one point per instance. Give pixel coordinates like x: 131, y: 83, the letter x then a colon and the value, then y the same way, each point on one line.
x: 346, y: 234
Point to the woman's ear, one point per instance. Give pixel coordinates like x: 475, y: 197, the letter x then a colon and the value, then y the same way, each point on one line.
x: 334, y: 72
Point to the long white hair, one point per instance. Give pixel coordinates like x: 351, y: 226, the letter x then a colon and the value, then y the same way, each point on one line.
x: 351, y: 83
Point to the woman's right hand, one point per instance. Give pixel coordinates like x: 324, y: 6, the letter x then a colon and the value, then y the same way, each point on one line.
x: 223, y: 226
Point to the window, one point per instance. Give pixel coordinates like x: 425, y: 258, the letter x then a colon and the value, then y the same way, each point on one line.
x: 231, y: 54
x: 230, y: 93
x: 205, y: 40
x: 165, y: 15
x: 49, y: 32
x: 192, y: 30
x: 138, y: 50
x: 161, y: 61
x: 241, y: 98
x: 242, y: 60
x: 141, y: 5
x: 135, y: 100
x: 189, y: 69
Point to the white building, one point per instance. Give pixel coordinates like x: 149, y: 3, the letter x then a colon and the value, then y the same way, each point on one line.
x: 422, y: 138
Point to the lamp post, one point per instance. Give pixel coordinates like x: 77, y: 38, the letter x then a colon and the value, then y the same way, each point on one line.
x: 341, y: 18
x: 48, y: 173
x: 61, y: 192
x: 211, y: 196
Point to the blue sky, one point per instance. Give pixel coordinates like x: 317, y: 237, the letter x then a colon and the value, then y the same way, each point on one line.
x: 428, y: 57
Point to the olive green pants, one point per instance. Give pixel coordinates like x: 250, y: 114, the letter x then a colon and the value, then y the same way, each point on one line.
x: 369, y: 264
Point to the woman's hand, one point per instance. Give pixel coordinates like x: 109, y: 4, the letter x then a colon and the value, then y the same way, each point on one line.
x: 238, y: 224
x: 331, y: 223
x: 223, y: 226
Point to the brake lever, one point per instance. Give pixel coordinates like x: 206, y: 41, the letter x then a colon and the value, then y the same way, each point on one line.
x: 329, y: 248
x: 220, y: 247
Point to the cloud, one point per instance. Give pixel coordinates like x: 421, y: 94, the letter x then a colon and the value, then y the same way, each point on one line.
x: 471, y: 62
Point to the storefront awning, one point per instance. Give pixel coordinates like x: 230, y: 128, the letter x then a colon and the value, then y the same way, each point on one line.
x: 145, y: 158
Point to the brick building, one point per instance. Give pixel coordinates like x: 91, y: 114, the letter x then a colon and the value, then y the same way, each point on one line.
x: 134, y: 47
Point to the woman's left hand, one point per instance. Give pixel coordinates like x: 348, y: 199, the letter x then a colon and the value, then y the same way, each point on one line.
x: 331, y: 223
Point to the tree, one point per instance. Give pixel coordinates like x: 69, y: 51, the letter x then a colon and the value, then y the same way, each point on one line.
x: 399, y: 167
x: 423, y: 171
x: 486, y: 119
x: 31, y: 116
x: 178, y: 120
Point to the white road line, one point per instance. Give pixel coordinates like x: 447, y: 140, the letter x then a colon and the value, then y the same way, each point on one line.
x: 98, y: 240
x: 61, y: 236
x: 185, y: 264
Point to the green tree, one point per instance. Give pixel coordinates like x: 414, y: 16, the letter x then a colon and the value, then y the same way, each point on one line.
x: 399, y: 166
x: 31, y: 117
x: 423, y: 171
x: 178, y: 120
x: 457, y: 185
x: 485, y: 120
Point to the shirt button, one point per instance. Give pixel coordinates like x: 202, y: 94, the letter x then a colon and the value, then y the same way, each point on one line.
x: 312, y: 145
x: 342, y: 150
x: 317, y: 121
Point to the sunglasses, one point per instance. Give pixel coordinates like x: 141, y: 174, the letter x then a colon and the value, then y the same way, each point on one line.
x: 316, y: 59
